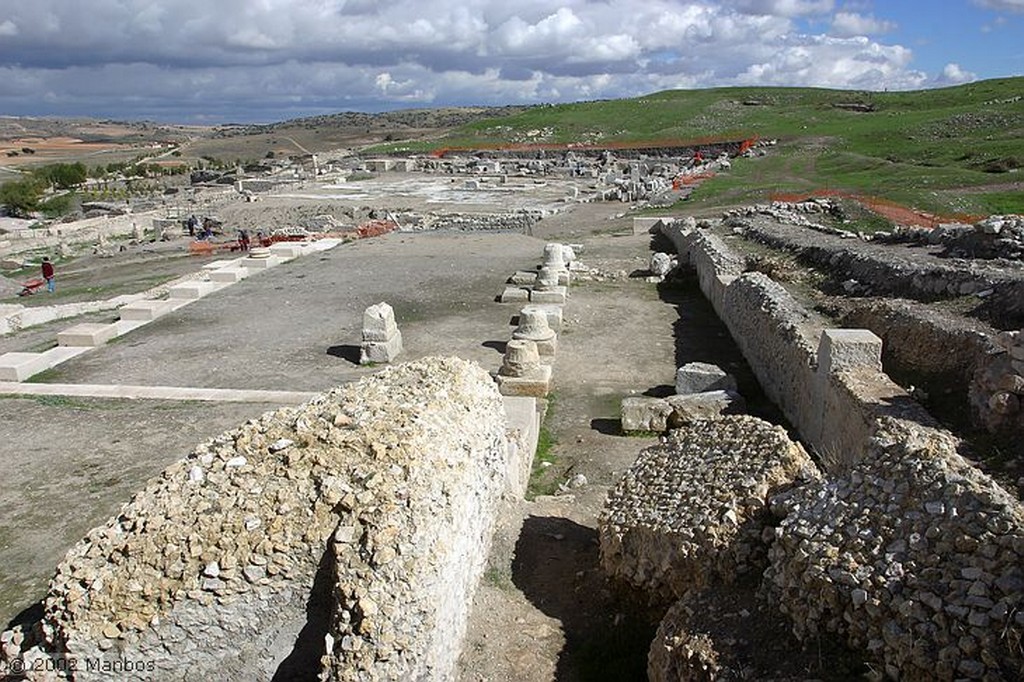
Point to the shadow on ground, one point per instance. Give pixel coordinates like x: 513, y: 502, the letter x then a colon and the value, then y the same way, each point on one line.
x: 345, y: 352
x: 607, y: 629
x: 495, y: 345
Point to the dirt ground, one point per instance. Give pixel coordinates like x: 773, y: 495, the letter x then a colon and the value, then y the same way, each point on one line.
x: 544, y: 610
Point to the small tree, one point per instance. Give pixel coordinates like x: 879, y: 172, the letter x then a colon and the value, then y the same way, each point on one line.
x: 22, y: 196
x: 63, y: 175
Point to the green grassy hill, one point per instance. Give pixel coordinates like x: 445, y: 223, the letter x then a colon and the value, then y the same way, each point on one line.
x: 949, y: 150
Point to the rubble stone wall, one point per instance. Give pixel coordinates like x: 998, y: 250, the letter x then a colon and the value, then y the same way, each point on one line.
x: 978, y: 361
x: 881, y: 272
x: 520, y: 221
x: 353, y: 527
x: 914, y: 555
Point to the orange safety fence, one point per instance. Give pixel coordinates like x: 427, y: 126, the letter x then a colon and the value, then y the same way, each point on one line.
x: 897, y: 213
x: 684, y: 179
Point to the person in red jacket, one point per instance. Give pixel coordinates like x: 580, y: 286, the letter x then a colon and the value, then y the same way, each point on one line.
x: 48, y: 274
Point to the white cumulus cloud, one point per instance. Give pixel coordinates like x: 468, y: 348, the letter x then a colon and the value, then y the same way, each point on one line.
x: 267, y: 59
x: 954, y: 74
x: 849, y: 24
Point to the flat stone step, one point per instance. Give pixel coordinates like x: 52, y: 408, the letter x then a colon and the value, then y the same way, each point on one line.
x: 157, y: 392
x: 146, y: 310
x: 229, y: 275
x: 125, y: 326
x: 262, y: 263
x: 89, y: 334
x: 191, y: 291
x: 21, y: 366
x: 56, y: 356
x: 219, y: 264
x: 288, y: 249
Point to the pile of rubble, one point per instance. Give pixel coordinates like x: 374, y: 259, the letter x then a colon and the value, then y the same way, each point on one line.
x: 693, y: 508
x: 517, y: 221
x: 997, y: 236
x: 791, y: 213
x: 703, y: 391
x: 914, y: 556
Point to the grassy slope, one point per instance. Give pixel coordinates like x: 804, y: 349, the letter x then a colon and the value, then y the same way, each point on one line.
x: 918, y: 148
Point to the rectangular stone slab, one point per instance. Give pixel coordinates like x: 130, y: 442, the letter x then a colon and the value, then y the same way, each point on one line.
x: 218, y: 264
x: 60, y: 354
x: 287, y: 250
x: 556, y: 295
x: 515, y: 295
x: 261, y: 263
x: 21, y: 366
x: 229, y: 275
x: 87, y: 334
x: 531, y: 387
x: 193, y: 290
x: 145, y: 311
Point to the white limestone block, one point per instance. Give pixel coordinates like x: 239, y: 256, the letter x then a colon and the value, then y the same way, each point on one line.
x: 87, y: 334
x: 21, y: 366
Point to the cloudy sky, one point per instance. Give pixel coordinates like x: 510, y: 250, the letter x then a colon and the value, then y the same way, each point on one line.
x: 212, y: 61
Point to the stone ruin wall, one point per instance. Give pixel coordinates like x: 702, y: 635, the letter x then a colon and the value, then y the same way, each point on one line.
x: 794, y: 359
x: 519, y: 221
x: 343, y: 538
x: 914, y: 556
x: 987, y: 365
x: 905, y: 549
x: 895, y: 276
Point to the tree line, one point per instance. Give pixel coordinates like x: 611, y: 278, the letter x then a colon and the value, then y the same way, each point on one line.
x: 25, y: 195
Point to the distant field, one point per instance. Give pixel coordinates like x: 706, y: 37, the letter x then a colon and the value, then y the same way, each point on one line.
x: 947, y: 151
x: 935, y: 150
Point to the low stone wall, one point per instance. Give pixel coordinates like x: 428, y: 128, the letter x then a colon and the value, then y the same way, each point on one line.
x: 88, y: 230
x: 977, y: 361
x: 14, y: 317
x: 914, y: 556
x: 904, y: 548
x: 353, y: 528
x: 520, y: 221
x: 879, y: 271
x: 794, y: 357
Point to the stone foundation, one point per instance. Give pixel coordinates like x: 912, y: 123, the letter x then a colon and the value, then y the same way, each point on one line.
x: 694, y: 508
x: 353, y: 527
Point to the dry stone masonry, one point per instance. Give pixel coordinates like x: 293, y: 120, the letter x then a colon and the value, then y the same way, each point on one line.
x: 352, y: 528
x: 904, y: 549
x: 914, y: 556
x: 693, y: 508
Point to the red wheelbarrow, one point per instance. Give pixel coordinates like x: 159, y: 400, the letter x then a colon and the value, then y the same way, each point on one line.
x: 32, y: 286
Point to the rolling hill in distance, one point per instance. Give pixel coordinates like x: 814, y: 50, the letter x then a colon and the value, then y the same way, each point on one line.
x: 947, y: 150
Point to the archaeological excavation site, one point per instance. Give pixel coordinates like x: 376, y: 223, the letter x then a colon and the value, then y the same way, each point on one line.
x: 522, y: 413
